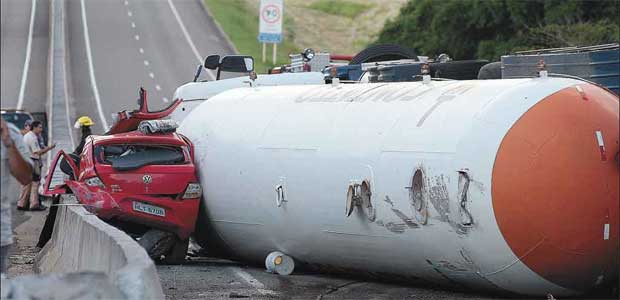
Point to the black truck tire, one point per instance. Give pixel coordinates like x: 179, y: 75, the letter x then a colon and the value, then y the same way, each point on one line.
x: 458, y: 69
x: 157, y: 243
x: 383, y: 52
x: 491, y: 71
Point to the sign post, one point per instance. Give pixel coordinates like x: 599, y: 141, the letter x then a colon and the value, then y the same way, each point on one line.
x: 270, y: 24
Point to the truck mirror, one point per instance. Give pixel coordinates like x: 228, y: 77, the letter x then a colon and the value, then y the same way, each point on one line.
x: 237, y: 63
x: 212, y: 62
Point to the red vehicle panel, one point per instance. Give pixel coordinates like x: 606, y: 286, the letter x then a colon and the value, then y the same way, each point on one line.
x: 135, y: 177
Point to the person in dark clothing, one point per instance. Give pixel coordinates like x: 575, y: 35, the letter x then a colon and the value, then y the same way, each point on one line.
x: 84, y: 123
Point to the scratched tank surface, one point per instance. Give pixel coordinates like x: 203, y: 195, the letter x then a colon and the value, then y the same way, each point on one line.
x: 506, y: 186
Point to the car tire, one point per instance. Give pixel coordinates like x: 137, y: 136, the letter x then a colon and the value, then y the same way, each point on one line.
x: 177, y: 254
x: 157, y: 243
x: 458, y: 69
x: 383, y: 52
x: 491, y: 71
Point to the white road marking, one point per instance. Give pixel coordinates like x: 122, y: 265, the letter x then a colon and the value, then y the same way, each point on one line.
x: 50, y: 105
x: 188, y: 38
x: 253, y: 281
x: 91, y: 69
x: 65, y: 87
x: 133, y: 24
x: 165, y: 100
x: 151, y: 75
x: 126, y: 2
x: 146, y: 62
x: 137, y: 37
x: 141, y: 50
x: 22, y: 87
x: 68, y: 115
x: 129, y: 13
x: 157, y: 87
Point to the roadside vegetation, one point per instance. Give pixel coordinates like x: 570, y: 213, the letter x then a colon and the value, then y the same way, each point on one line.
x: 336, y: 26
x: 340, y: 7
x: 467, y: 29
x: 240, y: 22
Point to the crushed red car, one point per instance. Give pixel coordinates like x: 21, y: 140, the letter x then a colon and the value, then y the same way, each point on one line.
x: 139, y: 176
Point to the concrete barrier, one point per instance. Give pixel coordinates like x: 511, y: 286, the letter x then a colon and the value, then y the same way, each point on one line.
x: 82, y: 242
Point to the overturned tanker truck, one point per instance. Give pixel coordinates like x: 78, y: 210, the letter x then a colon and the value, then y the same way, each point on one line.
x: 503, y: 185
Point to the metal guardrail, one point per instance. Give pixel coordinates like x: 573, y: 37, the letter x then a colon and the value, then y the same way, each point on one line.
x: 569, y: 49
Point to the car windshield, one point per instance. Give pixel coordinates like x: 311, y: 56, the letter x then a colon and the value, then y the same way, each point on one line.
x: 17, y: 118
x: 125, y: 157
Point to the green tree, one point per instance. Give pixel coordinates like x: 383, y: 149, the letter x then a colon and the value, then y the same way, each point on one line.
x: 487, y: 29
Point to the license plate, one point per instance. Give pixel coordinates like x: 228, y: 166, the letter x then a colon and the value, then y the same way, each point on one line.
x: 149, y: 209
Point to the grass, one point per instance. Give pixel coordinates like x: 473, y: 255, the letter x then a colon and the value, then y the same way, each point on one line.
x: 240, y: 23
x: 340, y: 7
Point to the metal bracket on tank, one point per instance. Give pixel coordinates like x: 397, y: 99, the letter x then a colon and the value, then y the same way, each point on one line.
x: 360, y: 195
x: 280, y: 198
x: 281, y: 192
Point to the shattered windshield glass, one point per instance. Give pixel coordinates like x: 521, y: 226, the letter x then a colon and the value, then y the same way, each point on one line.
x: 129, y: 157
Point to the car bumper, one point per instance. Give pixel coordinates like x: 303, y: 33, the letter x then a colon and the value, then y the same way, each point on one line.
x: 180, y: 215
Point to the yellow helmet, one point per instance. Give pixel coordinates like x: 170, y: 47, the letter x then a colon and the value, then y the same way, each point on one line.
x: 83, y: 121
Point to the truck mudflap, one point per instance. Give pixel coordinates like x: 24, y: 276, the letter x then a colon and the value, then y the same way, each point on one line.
x: 125, y: 121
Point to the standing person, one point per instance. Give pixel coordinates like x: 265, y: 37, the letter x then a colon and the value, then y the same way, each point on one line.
x: 13, y: 161
x: 32, y: 145
x: 27, y: 127
x: 84, y: 123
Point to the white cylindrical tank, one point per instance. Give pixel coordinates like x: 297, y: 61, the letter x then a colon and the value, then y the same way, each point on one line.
x: 508, y: 185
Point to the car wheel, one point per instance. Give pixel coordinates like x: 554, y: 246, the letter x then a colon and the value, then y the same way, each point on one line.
x: 177, y: 254
x: 458, y: 69
x: 383, y: 52
x: 157, y: 243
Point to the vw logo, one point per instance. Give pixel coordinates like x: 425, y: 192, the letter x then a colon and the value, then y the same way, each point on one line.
x: 147, y: 179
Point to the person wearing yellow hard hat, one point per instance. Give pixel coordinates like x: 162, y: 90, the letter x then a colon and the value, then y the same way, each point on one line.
x: 84, y: 123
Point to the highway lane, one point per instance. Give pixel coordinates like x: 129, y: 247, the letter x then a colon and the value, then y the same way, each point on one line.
x: 134, y: 43
x: 14, y: 35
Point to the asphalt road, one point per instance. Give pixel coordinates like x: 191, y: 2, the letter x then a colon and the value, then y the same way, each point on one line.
x: 208, y: 278
x: 134, y: 43
x: 15, y: 32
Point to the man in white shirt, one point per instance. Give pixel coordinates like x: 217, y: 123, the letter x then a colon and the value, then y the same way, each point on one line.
x: 13, y: 161
x: 30, y: 192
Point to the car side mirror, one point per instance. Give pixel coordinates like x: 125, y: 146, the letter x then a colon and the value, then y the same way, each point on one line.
x: 212, y: 62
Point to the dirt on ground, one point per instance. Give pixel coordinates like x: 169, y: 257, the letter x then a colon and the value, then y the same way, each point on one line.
x: 321, y: 31
x: 27, y: 226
